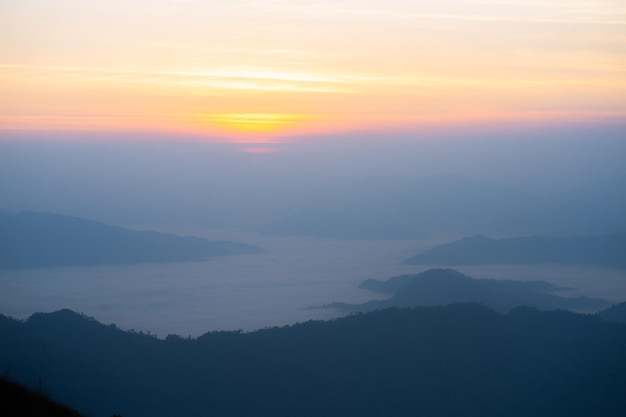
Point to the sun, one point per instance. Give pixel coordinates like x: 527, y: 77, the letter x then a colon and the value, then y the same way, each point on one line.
x: 255, y: 123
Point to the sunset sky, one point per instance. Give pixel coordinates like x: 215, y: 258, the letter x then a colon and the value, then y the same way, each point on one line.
x: 257, y: 71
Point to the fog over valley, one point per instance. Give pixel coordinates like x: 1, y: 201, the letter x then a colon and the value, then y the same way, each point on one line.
x: 327, y: 216
x: 124, y: 180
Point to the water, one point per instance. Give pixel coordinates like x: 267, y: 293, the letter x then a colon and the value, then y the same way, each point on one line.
x: 249, y: 292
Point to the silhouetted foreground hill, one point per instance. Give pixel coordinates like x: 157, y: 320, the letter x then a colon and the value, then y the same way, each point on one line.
x: 34, y: 240
x: 17, y: 400
x: 460, y: 360
x: 447, y: 286
x: 606, y: 250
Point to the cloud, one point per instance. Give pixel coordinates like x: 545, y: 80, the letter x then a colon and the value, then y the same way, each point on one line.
x: 597, y: 13
x: 239, y: 78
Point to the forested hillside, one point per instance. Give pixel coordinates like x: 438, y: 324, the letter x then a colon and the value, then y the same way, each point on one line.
x: 16, y: 400
x: 460, y: 360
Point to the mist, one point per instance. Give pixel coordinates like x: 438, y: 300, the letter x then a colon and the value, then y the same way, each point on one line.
x: 128, y: 179
x: 330, y: 212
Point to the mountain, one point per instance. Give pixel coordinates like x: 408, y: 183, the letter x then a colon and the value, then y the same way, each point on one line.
x: 447, y: 286
x: 591, y: 209
x: 458, y: 204
x: 616, y: 313
x: 438, y: 204
x: 321, y: 223
x: 19, y: 401
x: 401, y: 208
x: 461, y: 360
x: 606, y: 250
x: 567, y: 218
x: 608, y: 192
x: 38, y: 240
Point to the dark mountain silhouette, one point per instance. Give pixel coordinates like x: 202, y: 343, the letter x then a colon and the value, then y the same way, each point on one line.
x: 33, y: 240
x: 389, y: 286
x: 393, y: 284
x: 606, y: 250
x: 447, y: 286
x: 321, y: 223
x: 616, y: 313
x: 17, y: 400
x: 461, y: 360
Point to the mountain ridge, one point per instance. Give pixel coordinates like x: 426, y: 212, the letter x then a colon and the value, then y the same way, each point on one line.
x: 42, y: 239
x: 602, y: 250
x: 460, y: 360
x: 448, y: 286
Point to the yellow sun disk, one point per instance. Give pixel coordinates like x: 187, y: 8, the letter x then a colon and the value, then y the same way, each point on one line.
x: 253, y: 123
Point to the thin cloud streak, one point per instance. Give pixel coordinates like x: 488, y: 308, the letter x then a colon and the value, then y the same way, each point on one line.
x: 256, y: 79
x: 261, y: 79
x: 544, y: 12
x: 582, y: 18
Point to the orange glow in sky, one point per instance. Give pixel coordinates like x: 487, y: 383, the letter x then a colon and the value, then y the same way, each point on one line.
x: 253, y: 123
x: 261, y: 71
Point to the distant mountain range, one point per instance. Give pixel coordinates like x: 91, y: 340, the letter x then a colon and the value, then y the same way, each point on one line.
x: 462, y: 360
x: 401, y: 208
x: 606, y: 250
x: 615, y: 314
x: 447, y: 203
x: 447, y: 286
x: 592, y: 209
x: 37, y: 240
x: 321, y: 223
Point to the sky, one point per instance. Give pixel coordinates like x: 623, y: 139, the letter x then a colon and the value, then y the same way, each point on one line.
x: 269, y: 71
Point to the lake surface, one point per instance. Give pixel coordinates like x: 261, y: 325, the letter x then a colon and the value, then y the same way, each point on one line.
x: 249, y: 292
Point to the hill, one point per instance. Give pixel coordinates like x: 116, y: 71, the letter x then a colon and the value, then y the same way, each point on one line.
x: 37, y: 240
x: 460, y: 360
x: 20, y: 401
x: 447, y: 286
x: 605, y: 250
x: 616, y: 313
